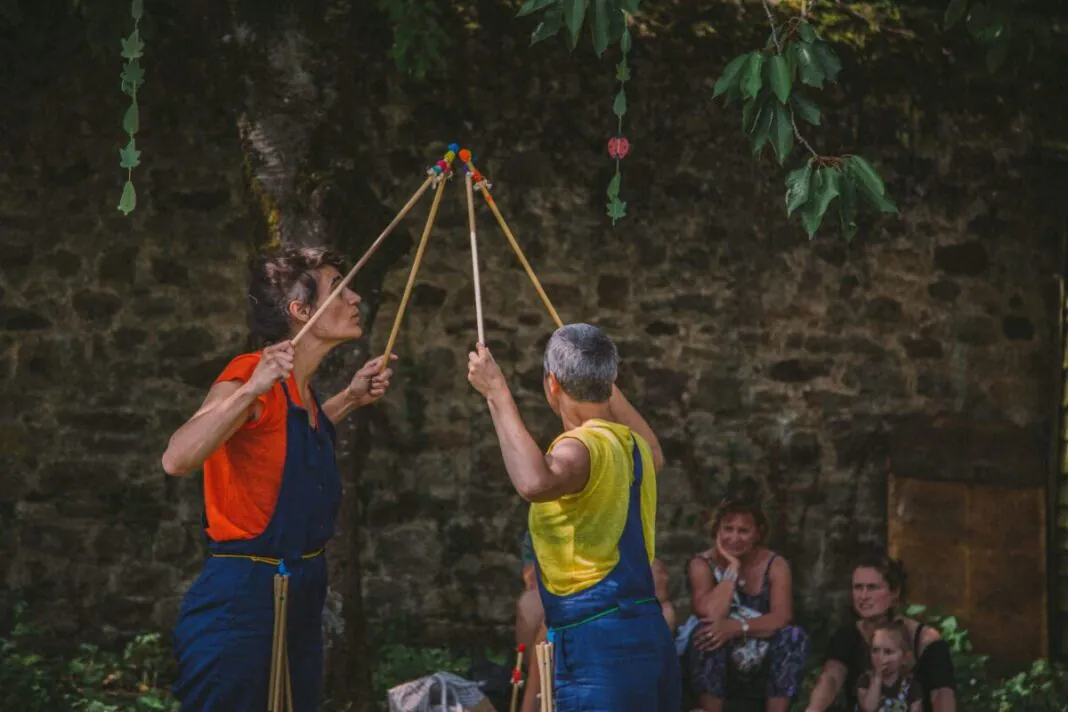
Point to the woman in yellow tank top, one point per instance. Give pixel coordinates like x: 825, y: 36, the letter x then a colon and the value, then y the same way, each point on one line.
x: 592, y: 521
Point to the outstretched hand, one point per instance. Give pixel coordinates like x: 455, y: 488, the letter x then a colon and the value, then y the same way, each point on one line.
x: 368, y: 385
x: 483, y: 372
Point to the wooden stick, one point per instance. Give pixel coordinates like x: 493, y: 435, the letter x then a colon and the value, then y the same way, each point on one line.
x: 366, y: 256
x: 287, y: 680
x: 549, y: 667
x: 411, y: 275
x: 515, y: 246
x: 275, y: 645
x: 540, y: 651
x: 517, y: 673
x: 474, y: 260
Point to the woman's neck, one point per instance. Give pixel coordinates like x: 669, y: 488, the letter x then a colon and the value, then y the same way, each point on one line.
x: 307, y: 356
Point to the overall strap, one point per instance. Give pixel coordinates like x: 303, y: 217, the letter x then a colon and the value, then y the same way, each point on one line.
x: 285, y: 389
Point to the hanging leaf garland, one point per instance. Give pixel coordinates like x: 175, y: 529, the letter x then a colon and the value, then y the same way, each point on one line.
x: 133, y: 76
x: 619, y: 146
x: 770, y: 86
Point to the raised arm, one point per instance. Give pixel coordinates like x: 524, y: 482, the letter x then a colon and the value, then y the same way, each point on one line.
x: 536, y: 477
x: 227, y: 407
x: 709, y: 600
x: 869, y: 692
x: 623, y: 412
x: 827, y: 687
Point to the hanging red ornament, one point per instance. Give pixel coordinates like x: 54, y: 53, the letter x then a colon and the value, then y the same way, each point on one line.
x: 618, y: 147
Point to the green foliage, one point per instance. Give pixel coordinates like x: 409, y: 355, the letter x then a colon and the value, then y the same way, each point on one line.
x: 616, y: 208
x: 607, y: 20
x: 397, y: 663
x: 133, y: 76
x: 34, y: 679
x: 1001, y: 27
x: 419, y: 39
x: 766, y: 84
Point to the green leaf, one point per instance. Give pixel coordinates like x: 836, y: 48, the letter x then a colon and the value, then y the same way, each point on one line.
x: 808, y: 34
x: 823, y: 190
x: 811, y: 73
x: 622, y: 72
x: 986, y: 22
x: 797, y: 187
x: 624, y: 41
x: 619, y: 106
x: 783, y: 134
x: 629, y: 6
x: 547, y: 27
x: 780, y: 77
x: 955, y: 12
x: 128, y: 201
x: 805, y: 108
x: 613, y: 186
x: 574, y: 14
x: 731, y: 75
x: 847, y: 205
x: 882, y: 203
x: 137, y: 9
x: 617, y: 209
x: 131, y: 121
x: 132, y: 76
x: 751, y: 81
x: 531, y: 6
x: 129, y: 157
x: 132, y: 46
x: 828, y: 61
x: 762, y: 126
x: 868, y: 176
x: 601, y: 23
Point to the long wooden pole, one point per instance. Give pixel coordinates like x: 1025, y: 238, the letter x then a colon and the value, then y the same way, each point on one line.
x: 465, y: 157
x: 411, y: 275
x: 474, y: 257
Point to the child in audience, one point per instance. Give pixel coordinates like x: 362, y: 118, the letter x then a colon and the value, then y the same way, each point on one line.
x: 890, y: 685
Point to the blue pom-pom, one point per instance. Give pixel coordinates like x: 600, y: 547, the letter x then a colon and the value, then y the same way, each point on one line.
x: 454, y: 147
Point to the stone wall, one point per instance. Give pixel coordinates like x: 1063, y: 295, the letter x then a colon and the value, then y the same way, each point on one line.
x: 812, y: 366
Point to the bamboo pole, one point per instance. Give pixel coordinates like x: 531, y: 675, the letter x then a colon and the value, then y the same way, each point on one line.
x: 474, y: 261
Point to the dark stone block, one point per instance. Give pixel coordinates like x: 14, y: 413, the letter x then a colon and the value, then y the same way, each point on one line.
x: 966, y: 259
x: 65, y: 262
x: 613, y: 291
x: 67, y: 476
x: 977, y: 331
x: 97, y: 307
x: 17, y: 319
x: 170, y: 272
x: 16, y: 256
x: 126, y: 338
x: 798, y: 370
x: 665, y: 386
x: 884, y: 309
x: 803, y: 451
x: 833, y: 253
x: 530, y: 318
x: 944, y: 290
x: 200, y: 199
x: 878, y: 376
x: 935, y: 385
x: 203, y: 374
x: 1018, y: 328
x: 922, y: 347
x: 847, y: 285
x: 119, y: 265
x: 153, y: 307
x: 830, y: 401
x: 719, y: 394
x: 106, y: 420
x: 662, y: 328
x: 187, y: 342
x: 427, y: 296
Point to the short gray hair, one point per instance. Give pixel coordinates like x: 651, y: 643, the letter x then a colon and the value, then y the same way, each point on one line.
x: 584, y: 361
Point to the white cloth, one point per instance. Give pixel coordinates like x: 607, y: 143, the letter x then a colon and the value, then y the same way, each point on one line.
x: 440, y: 692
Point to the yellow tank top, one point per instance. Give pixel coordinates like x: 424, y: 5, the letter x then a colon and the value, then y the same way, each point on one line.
x: 576, y: 537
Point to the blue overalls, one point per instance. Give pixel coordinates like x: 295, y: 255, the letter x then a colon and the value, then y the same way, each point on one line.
x: 225, y: 628
x: 612, y: 648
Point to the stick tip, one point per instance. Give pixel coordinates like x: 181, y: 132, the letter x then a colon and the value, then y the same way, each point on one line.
x: 465, y: 155
x: 454, y: 147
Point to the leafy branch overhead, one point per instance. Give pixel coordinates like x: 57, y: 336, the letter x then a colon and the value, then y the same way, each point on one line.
x: 773, y: 86
x: 133, y: 76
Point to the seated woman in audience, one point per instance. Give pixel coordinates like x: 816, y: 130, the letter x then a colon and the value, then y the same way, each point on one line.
x: 743, y: 594
x: 878, y: 589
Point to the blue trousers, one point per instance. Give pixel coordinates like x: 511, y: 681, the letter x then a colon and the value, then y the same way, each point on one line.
x: 225, y: 629
x: 624, y: 662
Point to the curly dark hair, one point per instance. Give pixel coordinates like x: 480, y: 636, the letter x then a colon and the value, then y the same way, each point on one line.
x: 744, y: 497
x: 892, y: 570
x: 279, y: 277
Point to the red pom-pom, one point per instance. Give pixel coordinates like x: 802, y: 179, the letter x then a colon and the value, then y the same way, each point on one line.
x: 516, y: 676
x: 618, y: 147
x: 521, y: 649
x: 476, y: 177
x: 465, y: 155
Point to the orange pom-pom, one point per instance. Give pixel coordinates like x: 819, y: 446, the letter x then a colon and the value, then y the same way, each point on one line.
x: 465, y: 155
x: 476, y: 177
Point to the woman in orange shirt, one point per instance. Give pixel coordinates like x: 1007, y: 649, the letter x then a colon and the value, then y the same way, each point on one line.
x: 271, y: 489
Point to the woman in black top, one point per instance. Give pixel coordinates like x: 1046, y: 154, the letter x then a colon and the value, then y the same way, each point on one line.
x: 878, y: 588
